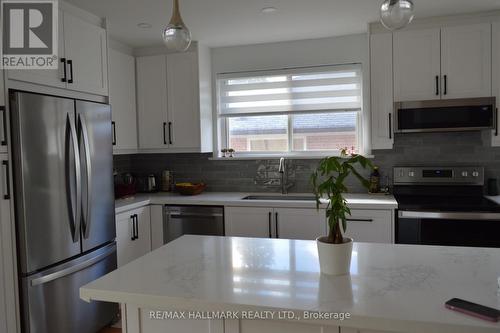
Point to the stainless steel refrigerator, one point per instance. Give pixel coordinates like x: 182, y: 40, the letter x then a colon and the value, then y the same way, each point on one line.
x: 64, y: 204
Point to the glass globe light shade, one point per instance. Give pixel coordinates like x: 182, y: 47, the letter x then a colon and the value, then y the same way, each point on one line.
x: 396, y: 14
x: 176, y: 37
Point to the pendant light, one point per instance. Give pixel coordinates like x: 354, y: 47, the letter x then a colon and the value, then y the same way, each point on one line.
x: 176, y: 35
x: 396, y: 14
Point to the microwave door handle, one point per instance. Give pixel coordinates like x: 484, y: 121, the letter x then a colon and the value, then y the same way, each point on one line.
x: 75, y: 216
x: 87, y: 219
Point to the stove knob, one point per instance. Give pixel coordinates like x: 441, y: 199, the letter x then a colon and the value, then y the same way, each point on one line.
x: 465, y: 174
x: 475, y: 174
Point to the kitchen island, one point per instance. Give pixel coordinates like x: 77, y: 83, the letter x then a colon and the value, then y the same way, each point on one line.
x: 250, y: 285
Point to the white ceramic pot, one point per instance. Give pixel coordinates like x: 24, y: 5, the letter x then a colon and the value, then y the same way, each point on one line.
x: 334, y: 259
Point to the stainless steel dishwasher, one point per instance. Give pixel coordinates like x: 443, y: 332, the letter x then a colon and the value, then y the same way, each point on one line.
x: 192, y: 220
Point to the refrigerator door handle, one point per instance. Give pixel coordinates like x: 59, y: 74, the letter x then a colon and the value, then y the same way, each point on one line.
x: 73, y: 269
x: 75, y: 224
x: 85, y: 136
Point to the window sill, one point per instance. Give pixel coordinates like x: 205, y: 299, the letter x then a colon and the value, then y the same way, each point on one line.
x: 276, y: 156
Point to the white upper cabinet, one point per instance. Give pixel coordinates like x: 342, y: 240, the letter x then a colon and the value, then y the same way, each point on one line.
x: 417, y: 65
x: 152, y: 101
x: 174, y: 112
x: 496, y: 77
x: 466, y: 61
x: 48, y: 77
x: 86, y: 53
x: 83, y: 59
x: 442, y: 63
x: 381, y: 100
x: 183, y: 106
x: 122, y: 100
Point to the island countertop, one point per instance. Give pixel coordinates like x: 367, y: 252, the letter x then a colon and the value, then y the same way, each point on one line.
x: 391, y: 287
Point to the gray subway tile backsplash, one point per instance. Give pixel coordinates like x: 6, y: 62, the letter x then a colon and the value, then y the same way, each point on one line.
x: 455, y: 148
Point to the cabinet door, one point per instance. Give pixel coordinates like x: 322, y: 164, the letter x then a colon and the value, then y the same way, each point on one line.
x: 306, y: 223
x: 152, y: 101
x: 3, y: 116
x: 466, y: 61
x: 129, y: 249
x: 374, y: 226
x: 48, y: 77
x: 496, y: 77
x: 249, y: 222
x: 183, y: 100
x: 355, y: 330
x: 122, y: 99
x: 417, y: 65
x: 86, y: 47
x: 280, y: 326
x: 7, y: 264
x: 382, y: 99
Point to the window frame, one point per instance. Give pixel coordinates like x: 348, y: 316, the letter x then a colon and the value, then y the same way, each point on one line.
x: 222, y: 127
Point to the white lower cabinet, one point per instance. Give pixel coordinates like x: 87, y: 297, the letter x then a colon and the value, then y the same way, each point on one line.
x: 133, y: 234
x: 373, y: 226
x: 495, y: 135
x: 275, y: 326
x: 270, y: 222
x: 302, y: 223
x: 364, y: 225
x: 249, y: 222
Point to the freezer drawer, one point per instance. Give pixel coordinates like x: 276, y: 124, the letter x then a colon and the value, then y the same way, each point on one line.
x: 51, y: 301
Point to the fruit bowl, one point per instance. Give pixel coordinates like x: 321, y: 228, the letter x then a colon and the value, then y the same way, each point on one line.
x: 190, y: 188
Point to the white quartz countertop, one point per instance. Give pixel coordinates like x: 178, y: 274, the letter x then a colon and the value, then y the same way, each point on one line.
x: 399, y: 288
x: 355, y: 201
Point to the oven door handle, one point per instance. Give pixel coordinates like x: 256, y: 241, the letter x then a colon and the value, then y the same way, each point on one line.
x: 449, y: 215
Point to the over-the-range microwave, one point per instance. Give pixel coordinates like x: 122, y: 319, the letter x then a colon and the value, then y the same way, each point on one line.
x: 446, y: 115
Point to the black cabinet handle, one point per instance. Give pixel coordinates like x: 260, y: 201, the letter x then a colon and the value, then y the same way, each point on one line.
x: 445, y: 85
x: 390, y: 125
x: 270, y: 231
x: 170, y: 132
x: 4, y: 119
x: 70, y: 63
x: 164, y: 135
x: 359, y: 220
x: 7, y: 182
x: 277, y: 225
x: 113, y: 130
x: 64, y: 78
x: 136, y: 227
x: 437, y: 85
x: 132, y: 217
x: 496, y: 122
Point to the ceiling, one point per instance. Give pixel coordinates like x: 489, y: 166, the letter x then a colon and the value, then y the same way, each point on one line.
x: 238, y: 22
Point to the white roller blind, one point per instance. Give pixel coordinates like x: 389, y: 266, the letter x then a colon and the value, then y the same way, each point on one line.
x: 324, y: 88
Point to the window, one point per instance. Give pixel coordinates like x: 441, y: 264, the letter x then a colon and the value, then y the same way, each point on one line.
x: 306, y: 111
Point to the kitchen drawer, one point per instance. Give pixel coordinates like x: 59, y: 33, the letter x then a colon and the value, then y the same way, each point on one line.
x: 374, y: 226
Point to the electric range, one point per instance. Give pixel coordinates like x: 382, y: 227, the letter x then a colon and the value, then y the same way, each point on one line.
x: 445, y: 206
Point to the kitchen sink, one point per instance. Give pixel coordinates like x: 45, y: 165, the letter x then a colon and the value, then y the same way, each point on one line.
x: 280, y: 197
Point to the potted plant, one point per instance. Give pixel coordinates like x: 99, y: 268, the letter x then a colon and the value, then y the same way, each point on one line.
x: 328, y: 179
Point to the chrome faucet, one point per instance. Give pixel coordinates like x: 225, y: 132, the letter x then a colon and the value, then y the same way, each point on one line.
x: 282, y: 171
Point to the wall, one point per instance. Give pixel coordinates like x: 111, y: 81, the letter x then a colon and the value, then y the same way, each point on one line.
x: 437, y: 149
